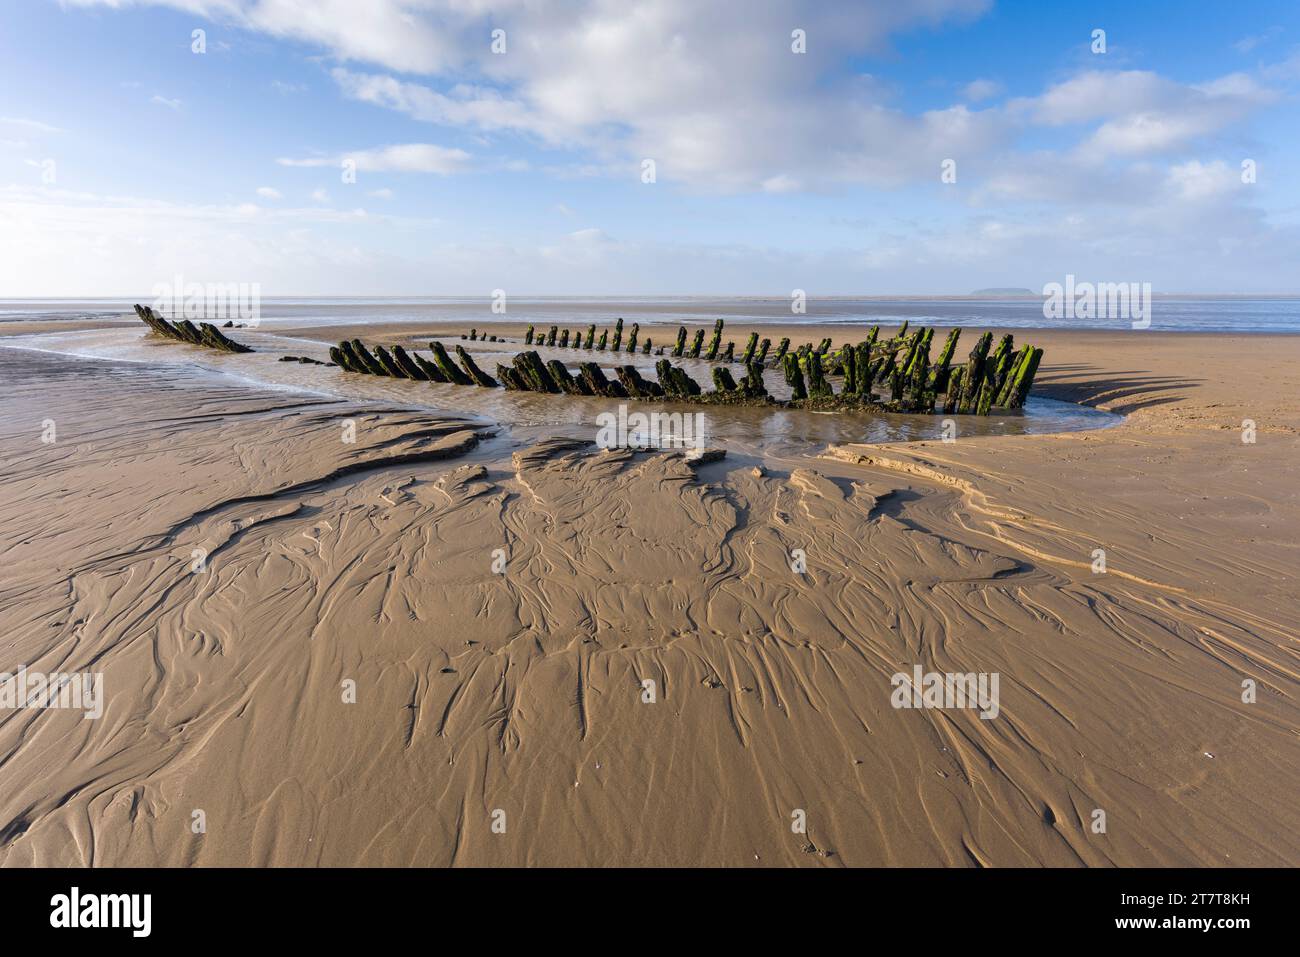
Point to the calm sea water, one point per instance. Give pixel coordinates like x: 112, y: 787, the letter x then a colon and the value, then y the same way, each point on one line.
x: 1169, y: 313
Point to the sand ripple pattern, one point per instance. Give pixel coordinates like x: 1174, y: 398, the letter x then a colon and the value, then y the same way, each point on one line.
x: 521, y: 691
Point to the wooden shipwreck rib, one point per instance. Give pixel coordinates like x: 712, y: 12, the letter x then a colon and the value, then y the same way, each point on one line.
x: 892, y: 375
x: 183, y: 330
x: 906, y: 355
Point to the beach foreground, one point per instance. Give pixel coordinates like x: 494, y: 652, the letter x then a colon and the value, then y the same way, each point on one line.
x: 459, y: 642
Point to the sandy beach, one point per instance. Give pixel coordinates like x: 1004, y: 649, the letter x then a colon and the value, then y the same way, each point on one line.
x: 456, y: 640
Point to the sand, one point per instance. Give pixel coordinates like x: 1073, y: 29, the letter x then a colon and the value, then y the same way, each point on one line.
x: 352, y: 677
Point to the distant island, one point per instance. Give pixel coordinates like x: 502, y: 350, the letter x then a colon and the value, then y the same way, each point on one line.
x: 1004, y: 291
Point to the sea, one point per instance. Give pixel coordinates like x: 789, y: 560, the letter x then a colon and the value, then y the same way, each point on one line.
x: 1254, y: 314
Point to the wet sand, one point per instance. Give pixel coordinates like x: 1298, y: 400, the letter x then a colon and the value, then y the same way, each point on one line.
x: 515, y: 695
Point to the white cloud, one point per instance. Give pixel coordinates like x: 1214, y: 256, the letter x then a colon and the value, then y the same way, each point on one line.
x: 717, y: 97
x: 269, y: 192
x: 164, y: 101
x: 1128, y: 166
x: 1140, y: 112
x: 381, y: 193
x: 780, y: 184
x: 1199, y: 181
x: 977, y: 90
x: 1247, y: 44
x: 34, y: 126
x: 479, y: 107
x: 123, y: 245
x: 403, y: 158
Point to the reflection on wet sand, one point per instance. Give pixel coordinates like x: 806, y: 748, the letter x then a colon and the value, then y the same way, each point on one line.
x: 756, y: 431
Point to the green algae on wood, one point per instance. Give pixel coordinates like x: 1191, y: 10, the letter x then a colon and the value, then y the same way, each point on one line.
x: 479, y: 377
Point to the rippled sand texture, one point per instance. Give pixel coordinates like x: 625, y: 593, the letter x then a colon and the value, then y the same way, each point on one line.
x: 522, y: 691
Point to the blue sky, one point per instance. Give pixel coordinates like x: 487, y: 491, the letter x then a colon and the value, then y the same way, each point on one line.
x: 127, y: 158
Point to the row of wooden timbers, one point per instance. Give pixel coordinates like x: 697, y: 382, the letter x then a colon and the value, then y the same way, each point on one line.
x: 183, y: 330
x: 895, y: 374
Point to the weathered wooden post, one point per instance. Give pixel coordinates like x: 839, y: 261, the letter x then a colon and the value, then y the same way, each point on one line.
x: 974, y: 376
x: 751, y: 344
x: 211, y: 337
x: 849, y: 362
x: 616, y: 344
x: 551, y: 336
x: 351, y: 361
x: 431, y: 371
x: 794, y: 376
x: 631, y: 339
x: 752, y: 385
x: 915, y: 370
x: 591, y: 337
x: 448, y: 368
x: 636, y: 386
x: 817, y: 384
x: 216, y: 336
x: 953, y: 396
x: 528, y: 336
x: 730, y: 354
x: 997, y: 355
x: 860, y: 384
x: 722, y: 380
x: 697, y: 343
x: 409, y: 367
x: 1025, y: 377
x: 674, y: 381
x: 681, y: 342
x: 1000, y: 365
x: 566, y: 382
x: 886, y: 367
x: 386, y: 360
x: 604, y: 335
x: 716, y: 342
x: 190, y: 332
x: 939, y: 381
x: 373, y: 364
x: 917, y: 384
x: 531, y: 369
x: 511, y: 379
x: 479, y: 377
x: 564, y: 339
x: 1008, y: 382
x: 763, y: 346
x: 599, y: 385
x: 663, y: 369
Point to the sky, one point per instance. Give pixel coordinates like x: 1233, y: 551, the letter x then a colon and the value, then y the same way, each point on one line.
x: 456, y: 147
